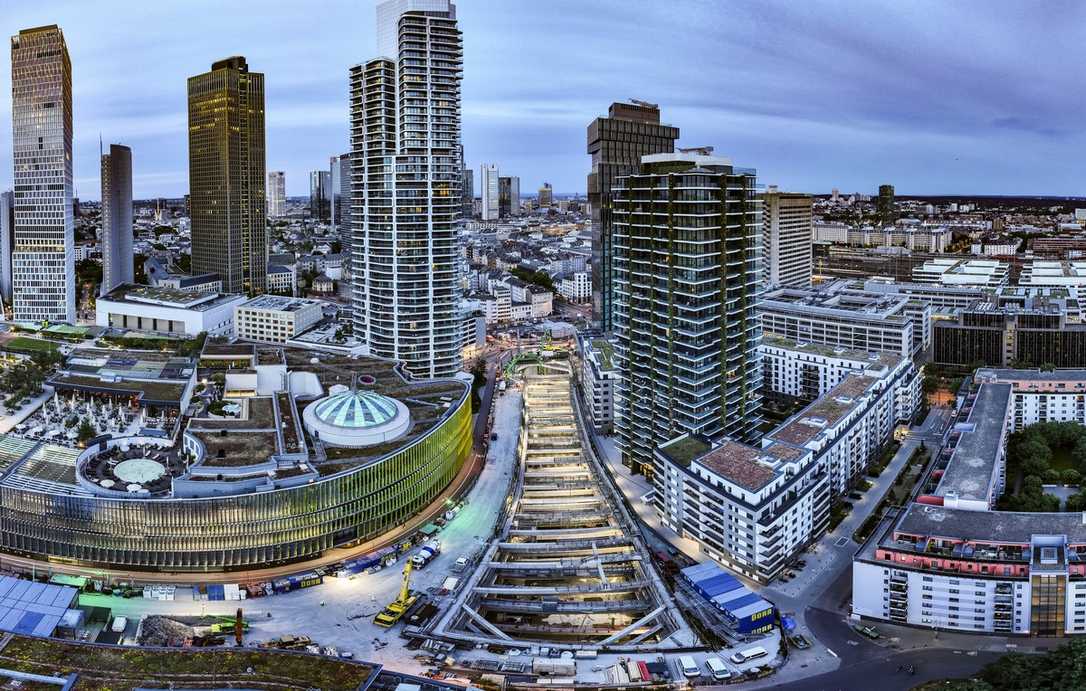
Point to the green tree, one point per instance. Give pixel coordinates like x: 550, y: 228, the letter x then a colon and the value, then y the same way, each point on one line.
x: 86, y: 430
x: 1071, y: 476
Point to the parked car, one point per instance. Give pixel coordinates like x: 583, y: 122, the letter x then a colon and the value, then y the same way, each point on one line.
x: 800, y: 641
x: 868, y: 631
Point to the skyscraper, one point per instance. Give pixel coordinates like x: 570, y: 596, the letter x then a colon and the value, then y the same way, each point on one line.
x: 340, y: 178
x: 546, y: 195
x: 7, y: 242
x: 43, y: 257
x: 277, y: 194
x: 787, y: 228
x: 406, y: 197
x: 320, y: 197
x: 490, y: 191
x: 508, y: 196
x: 886, y: 205
x: 227, y: 175
x: 687, y: 240
x: 467, y: 192
x: 116, y: 218
x: 616, y: 144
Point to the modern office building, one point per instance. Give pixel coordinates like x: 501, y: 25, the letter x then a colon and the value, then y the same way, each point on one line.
x: 616, y: 144
x: 467, y: 192
x: 275, y: 318
x: 546, y: 195
x: 43, y: 257
x: 490, y: 188
x: 320, y: 195
x: 405, y: 155
x: 227, y: 175
x: 981, y: 273
x: 508, y: 196
x: 7, y: 243
x: 686, y: 274
x: 787, y: 226
x: 277, y: 194
x: 886, y: 205
x: 117, y: 259
x: 340, y: 181
x: 167, y: 311
x: 1036, y: 333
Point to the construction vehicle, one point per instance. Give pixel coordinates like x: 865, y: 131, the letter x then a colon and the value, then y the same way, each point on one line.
x: 395, y: 610
x: 288, y: 642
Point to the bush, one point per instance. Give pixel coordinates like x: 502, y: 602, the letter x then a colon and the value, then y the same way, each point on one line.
x: 1071, y: 477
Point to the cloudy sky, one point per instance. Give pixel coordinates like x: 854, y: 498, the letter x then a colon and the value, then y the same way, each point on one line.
x: 936, y: 98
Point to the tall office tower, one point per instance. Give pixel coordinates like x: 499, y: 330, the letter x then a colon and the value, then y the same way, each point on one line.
x: 7, y: 242
x: 227, y: 175
x: 43, y: 257
x: 405, y: 158
x: 508, y: 196
x: 687, y: 244
x: 886, y: 206
x: 490, y: 191
x: 277, y: 194
x: 340, y: 178
x: 787, y: 229
x: 320, y: 198
x: 467, y: 192
x: 117, y: 262
x: 616, y: 144
x: 546, y: 195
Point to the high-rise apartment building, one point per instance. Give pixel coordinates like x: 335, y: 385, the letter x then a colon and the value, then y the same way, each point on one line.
x: 508, y: 196
x: 886, y: 205
x: 406, y: 197
x: 7, y: 243
x: 320, y: 195
x: 227, y: 175
x: 340, y: 179
x: 490, y: 190
x: 787, y: 229
x: 616, y: 144
x: 117, y: 261
x: 687, y: 246
x: 277, y: 194
x: 467, y: 192
x: 546, y: 195
x: 43, y: 256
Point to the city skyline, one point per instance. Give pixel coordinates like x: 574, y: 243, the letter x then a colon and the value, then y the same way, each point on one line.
x: 850, y: 106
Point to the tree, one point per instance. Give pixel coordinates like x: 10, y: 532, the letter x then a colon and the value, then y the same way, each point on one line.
x: 1071, y: 477
x: 86, y: 430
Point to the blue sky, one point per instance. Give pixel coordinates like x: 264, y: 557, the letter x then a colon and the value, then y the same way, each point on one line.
x: 936, y: 98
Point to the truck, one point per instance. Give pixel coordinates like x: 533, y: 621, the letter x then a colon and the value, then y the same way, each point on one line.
x: 395, y: 610
x: 119, y: 624
x: 425, y: 555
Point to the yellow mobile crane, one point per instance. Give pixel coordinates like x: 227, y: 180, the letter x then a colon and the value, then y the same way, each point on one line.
x: 398, y: 607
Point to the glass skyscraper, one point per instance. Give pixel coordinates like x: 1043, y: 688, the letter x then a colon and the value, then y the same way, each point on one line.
x: 406, y: 197
x: 117, y: 260
x: 43, y: 257
x: 227, y: 175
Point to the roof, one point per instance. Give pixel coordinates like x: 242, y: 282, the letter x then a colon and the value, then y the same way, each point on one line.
x: 279, y: 303
x: 824, y: 412
x: 32, y: 608
x: 988, y: 526
x: 739, y: 464
x: 355, y: 409
x: 972, y: 469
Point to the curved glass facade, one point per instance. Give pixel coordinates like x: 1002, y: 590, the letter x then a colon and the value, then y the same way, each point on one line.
x: 241, y: 531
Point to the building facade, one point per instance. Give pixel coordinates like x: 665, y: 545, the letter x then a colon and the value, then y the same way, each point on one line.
x: 227, y: 175
x: 406, y: 197
x: 886, y: 205
x: 616, y: 144
x: 275, y: 318
x: 277, y: 194
x: 43, y: 261
x: 340, y: 180
x: 320, y: 189
x: 786, y: 238
x: 546, y: 196
x: 686, y: 278
x: 489, y: 187
x: 467, y: 192
x: 167, y: 311
x: 117, y: 259
x: 7, y: 243
x: 598, y: 375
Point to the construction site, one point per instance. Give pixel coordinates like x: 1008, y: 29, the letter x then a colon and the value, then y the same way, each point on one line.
x: 568, y: 566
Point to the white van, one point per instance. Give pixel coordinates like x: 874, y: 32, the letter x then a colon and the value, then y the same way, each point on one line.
x: 717, y: 669
x: 748, y: 655
x: 687, y: 667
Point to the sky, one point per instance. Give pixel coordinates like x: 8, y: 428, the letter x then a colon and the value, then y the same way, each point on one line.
x: 933, y: 97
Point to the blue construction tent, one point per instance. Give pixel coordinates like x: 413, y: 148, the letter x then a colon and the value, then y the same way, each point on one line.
x: 747, y: 611
x: 33, y: 608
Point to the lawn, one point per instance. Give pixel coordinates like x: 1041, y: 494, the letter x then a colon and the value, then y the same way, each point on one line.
x: 1061, y: 459
x: 22, y: 344
x: 126, y: 669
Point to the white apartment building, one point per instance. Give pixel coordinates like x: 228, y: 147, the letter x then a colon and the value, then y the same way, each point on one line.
x: 541, y: 300
x: 576, y: 287
x: 276, y: 318
x: 786, y: 238
x: 986, y: 273
x: 598, y: 376
x: 915, y: 238
x: 281, y: 279
x: 43, y: 256
x: 1037, y: 396
x: 1062, y: 274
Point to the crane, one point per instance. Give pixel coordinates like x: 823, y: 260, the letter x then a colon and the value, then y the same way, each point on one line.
x: 398, y: 607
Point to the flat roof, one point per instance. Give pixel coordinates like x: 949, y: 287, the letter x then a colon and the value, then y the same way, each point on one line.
x: 1059, y: 380
x: 871, y: 357
x: 987, y: 526
x: 972, y: 467
x: 739, y: 464
x: 281, y: 303
x: 825, y: 412
x: 168, y: 297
